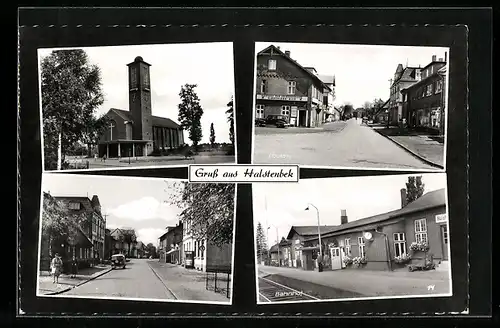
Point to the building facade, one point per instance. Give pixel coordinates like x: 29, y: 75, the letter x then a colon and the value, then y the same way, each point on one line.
x: 284, y: 87
x: 390, y: 236
x: 124, y: 241
x: 94, y: 225
x: 424, y: 102
x: 137, y: 132
x: 403, y: 78
x: 171, y: 244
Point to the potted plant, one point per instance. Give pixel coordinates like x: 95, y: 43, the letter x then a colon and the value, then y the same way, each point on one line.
x: 419, y: 247
x: 402, y: 259
x: 347, y: 261
x: 359, y: 261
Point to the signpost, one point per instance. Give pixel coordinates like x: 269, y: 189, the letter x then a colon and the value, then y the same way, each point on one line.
x: 441, y: 218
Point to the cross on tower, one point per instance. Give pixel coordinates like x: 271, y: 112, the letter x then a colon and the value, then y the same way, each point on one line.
x: 111, y: 126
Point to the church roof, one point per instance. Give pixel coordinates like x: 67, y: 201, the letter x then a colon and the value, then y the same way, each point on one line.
x: 157, y: 121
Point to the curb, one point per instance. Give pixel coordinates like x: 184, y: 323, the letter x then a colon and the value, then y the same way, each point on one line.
x: 163, y: 283
x: 81, y: 283
x: 423, y: 159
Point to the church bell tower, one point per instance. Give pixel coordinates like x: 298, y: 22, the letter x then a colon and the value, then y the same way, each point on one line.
x: 140, y: 99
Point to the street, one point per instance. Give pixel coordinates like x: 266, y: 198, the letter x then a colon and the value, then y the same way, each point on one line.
x: 137, y: 280
x: 339, y: 144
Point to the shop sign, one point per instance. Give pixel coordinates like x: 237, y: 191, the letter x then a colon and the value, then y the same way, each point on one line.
x: 281, y: 97
x: 294, y: 111
x: 441, y: 218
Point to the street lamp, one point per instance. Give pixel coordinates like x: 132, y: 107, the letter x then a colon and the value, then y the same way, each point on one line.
x: 387, y: 111
x: 319, y: 231
x: 278, y: 239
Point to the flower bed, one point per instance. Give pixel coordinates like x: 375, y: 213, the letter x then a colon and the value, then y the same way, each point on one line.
x: 403, y: 259
x: 419, y: 247
x: 347, y: 261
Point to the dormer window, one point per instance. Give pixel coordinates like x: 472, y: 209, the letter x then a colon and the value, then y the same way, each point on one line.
x: 74, y: 206
x: 271, y: 64
x: 291, y: 87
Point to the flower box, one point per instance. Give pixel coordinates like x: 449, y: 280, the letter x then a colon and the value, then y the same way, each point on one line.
x: 403, y: 259
x: 359, y: 261
x: 419, y: 247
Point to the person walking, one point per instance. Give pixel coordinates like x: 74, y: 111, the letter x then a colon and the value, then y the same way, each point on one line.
x: 56, y: 267
x: 74, y: 267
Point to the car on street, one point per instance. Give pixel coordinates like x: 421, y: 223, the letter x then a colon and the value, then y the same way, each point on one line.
x: 260, y: 122
x: 280, y: 121
x: 118, y: 261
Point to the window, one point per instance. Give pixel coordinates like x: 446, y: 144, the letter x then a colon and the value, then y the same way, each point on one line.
x: 81, y: 252
x: 263, y: 86
x: 297, y: 241
x: 399, y: 244
x: 291, y: 87
x: 439, y: 86
x: 285, y: 110
x: 347, y: 242
x: 361, y: 245
x: 421, y: 231
x: 259, y: 111
x: 428, y: 90
x: 271, y: 64
x: 74, y: 206
x: 445, y: 234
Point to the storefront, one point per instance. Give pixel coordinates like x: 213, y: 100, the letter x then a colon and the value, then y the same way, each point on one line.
x: 294, y: 108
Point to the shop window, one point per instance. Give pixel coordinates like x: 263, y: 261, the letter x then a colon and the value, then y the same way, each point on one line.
x: 271, y: 64
x: 291, y: 87
x: 361, y: 246
x: 421, y: 231
x: 285, y: 110
x: 259, y: 111
x: 399, y: 244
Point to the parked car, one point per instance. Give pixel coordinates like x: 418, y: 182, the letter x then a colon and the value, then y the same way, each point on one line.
x: 279, y: 121
x: 260, y: 122
x: 118, y: 261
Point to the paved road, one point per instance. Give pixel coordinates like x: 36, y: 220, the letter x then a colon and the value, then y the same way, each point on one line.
x: 271, y: 291
x: 339, y: 144
x: 137, y: 280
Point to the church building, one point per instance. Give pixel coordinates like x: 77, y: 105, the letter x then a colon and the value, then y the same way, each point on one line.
x: 137, y: 132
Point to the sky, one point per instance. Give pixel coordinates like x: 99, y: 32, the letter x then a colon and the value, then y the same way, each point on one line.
x: 137, y: 203
x: 362, y: 72
x: 209, y: 65
x: 361, y: 197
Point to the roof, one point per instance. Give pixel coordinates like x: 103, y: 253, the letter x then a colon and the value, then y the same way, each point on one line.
x: 309, y: 230
x: 312, y: 75
x: 85, y: 201
x: 429, y: 200
x: 327, y: 79
x: 156, y: 120
x: 422, y: 81
x: 406, y: 75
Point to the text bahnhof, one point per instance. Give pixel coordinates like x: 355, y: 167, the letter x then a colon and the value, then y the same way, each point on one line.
x: 247, y: 173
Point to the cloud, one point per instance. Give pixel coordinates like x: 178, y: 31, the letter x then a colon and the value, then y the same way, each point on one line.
x: 141, y: 209
x: 149, y: 235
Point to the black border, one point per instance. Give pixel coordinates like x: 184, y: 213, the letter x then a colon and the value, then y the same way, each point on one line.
x: 457, y: 28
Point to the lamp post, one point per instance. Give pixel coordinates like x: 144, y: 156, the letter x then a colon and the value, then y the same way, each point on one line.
x: 387, y: 122
x: 278, y: 239
x: 319, y: 231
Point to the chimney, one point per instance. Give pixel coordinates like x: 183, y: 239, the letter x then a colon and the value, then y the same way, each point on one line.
x: 440, y: 59
x: 403, y: 198
x: 343, y: 216
x: 433, y: 58
x: 287, y: 52
x: 278, y: 47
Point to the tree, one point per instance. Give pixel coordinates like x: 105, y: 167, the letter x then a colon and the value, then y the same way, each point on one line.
x: 95, y: 128
x: 58, y: 222
x: 129, y: 238
x: 347, y: 110
x: 414, y: 189
x: 212, y: 135
x: 230, y: 120
x: 71, y: 92
x: 190, y: 113
x: 151, y: 250
x: 262, y: 250
x: 208, y: 208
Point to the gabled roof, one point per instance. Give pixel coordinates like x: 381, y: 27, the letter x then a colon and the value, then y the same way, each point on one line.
x: 309, y: 230
x: 156, y: 120
x: 85, y: 201
x: 327, y: 79
x: 406, y: 75
x: 429, y: 200
x: 279, y: 52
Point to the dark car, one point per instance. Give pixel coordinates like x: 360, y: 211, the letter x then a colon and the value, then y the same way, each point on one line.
x: 260, y: 122
x: 118, y: 261
x: 279, y: 121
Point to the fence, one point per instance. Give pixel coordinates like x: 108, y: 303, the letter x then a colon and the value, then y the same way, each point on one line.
x: 219, y: 282
x: 78, y: 165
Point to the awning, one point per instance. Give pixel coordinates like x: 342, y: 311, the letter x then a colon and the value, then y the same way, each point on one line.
x: 171, y: 251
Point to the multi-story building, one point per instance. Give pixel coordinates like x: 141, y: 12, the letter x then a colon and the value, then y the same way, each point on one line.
x: 202, y: 254
x: 171, y: 244
x: 284, y: 87
x: 329, y: 114
x: 403, y: 78
x: 94, y: 226
x: 124, y: 241
x: 425, y: 101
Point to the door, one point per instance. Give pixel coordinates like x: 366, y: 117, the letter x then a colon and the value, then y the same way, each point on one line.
x: 445, y: 241
x: 336, y: 258
x: 302, y: 118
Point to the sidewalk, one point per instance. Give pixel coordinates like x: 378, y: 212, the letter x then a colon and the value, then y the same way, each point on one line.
x: 186, y: 284
x: 370, y: 283
x: 427, y: 147
x: 47, y: 287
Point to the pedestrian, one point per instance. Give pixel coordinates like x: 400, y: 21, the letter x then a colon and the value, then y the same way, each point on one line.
x: 56, y: 267
x: 104, y: 157
x: 74, y: 267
